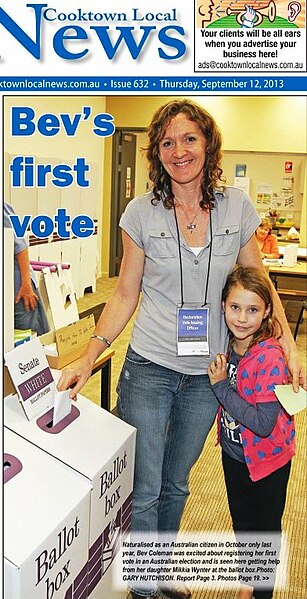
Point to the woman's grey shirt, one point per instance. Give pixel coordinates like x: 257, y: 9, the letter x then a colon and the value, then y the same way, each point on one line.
x: 153, y: 228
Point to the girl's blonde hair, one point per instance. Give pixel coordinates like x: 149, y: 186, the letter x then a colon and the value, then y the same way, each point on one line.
x: 255, y: 280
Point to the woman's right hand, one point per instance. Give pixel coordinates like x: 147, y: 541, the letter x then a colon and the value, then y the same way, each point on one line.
x: 76, y: 375
x: 28, y: 295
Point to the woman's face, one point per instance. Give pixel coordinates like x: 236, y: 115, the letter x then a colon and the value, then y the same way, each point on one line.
x: 262, y: 232
x: 182, y: 150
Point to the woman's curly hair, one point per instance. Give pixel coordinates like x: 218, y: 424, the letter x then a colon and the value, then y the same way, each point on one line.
x: 212, y: 172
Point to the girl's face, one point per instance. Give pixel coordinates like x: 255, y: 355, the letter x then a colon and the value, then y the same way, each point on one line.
x: 182, y: 150
x: 244, y: 313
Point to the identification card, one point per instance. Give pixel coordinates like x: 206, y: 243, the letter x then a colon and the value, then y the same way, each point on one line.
x: 192, y: 331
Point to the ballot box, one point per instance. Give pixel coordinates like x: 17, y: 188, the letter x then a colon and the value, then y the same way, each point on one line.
x: 100, y: 447
x: 46, y: 524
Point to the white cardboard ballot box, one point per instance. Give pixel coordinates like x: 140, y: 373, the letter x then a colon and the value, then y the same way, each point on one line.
x: 101, y: 448
x: 46, y: 524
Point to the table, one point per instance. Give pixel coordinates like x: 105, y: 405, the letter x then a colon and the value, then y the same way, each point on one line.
x: 103, y: 363
x: 291, y: 272
x: 298, y: 270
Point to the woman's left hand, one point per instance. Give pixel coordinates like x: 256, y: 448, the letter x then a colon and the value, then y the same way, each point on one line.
x: 217, y: 370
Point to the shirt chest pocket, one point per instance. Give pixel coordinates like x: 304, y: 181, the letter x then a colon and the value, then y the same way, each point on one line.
x: 161, y: 244
x: 226, y: 240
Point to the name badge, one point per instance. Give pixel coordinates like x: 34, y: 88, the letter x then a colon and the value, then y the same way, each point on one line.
x: 192, y: 331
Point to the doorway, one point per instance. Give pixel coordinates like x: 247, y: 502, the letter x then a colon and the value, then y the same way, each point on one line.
x: 129, y: 178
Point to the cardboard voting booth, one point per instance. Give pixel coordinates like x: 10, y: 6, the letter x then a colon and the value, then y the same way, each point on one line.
x: 59, y: 298
x: 8, y: 385
x: 69, y: 335
x: 46, y: 524
x: 100, y: 447
x: 67, y: 343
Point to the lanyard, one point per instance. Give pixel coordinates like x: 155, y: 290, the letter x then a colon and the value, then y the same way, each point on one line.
x: 180, y: 259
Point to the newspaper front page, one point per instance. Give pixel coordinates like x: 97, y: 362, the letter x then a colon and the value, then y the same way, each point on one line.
x: 79, y: 83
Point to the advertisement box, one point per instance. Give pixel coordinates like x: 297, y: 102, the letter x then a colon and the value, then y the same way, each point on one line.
x: 46, y: 524
x: 101, y: 447
x: 67, y: 344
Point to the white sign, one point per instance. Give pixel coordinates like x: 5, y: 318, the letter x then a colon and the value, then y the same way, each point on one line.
x: 32, y: 377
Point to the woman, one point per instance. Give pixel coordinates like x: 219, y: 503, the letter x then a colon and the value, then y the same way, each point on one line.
x: 180, y: 243
x: 267, y: 241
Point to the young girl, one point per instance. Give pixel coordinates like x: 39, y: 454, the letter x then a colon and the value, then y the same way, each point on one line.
x: 256, y: 434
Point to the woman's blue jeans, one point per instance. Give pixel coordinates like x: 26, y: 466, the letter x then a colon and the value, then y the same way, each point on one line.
x: 173, y: 414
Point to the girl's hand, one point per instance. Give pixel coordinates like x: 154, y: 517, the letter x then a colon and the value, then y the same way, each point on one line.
x: 217, y: 370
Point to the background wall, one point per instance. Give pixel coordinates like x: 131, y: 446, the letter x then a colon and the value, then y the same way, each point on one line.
x: 247, y: 123
x: 268, y: 168
x: 265, y: 124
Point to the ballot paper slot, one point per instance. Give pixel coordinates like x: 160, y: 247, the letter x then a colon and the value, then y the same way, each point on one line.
x: 11, y: 466
x: 45, y: 422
